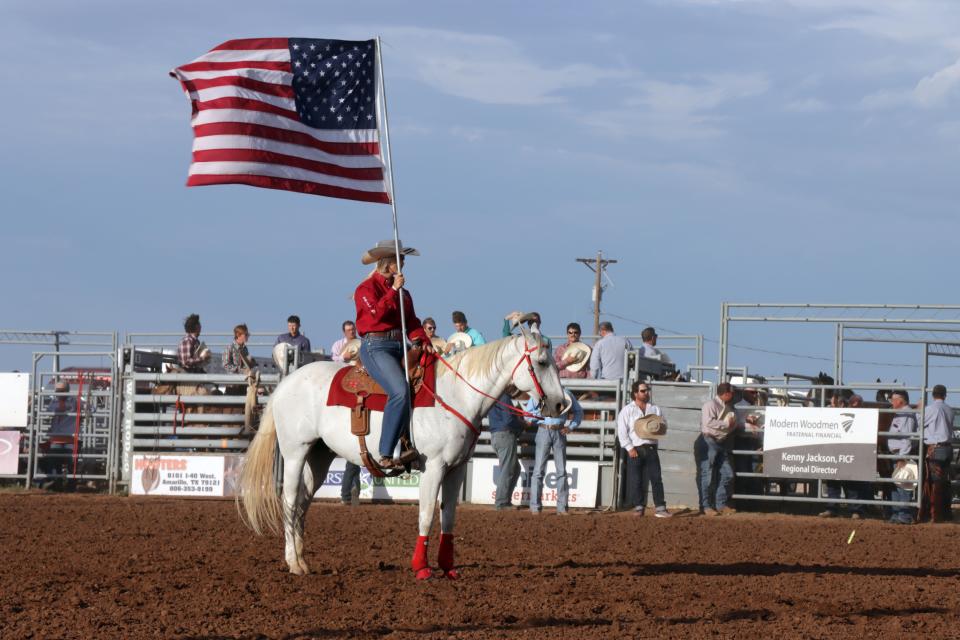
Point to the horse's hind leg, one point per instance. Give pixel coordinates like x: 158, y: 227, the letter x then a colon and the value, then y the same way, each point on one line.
x: 452, y: 483
x: 314, y: 472
x: 293, y: 471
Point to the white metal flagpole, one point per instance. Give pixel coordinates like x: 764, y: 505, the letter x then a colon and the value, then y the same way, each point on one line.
x: 382, y: 96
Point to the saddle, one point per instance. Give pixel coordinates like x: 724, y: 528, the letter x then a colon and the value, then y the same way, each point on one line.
x: 358, y: 382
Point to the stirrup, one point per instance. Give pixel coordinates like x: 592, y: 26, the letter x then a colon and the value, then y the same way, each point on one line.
x: 409, y: 455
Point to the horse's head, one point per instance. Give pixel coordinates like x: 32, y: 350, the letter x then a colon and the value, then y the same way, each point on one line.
x: 539, y: 377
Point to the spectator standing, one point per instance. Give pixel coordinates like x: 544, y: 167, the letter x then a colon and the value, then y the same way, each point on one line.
x: 294, y: 338
x: 643, y: 459
x: 904, y: 422
x: 505, y: 430
x: 570, y: 367
x: 649, y: 347
x: 193, y: 356
x: 852, y: 490
x: 552, y: 436
x: 938, y: 452
x: 609, y: 354
x: 237, y: 359
x: 718, y: 421
x: 349, y: 330
x: 462, y: 326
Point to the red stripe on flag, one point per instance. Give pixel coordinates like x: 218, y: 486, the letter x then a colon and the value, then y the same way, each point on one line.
x: 253, y: 43
x: 247, y: 104
x: 242, y: 64
x: 284, y: 135
x: 285, y: 184
x: 272, y: 157
x: 281, y: 90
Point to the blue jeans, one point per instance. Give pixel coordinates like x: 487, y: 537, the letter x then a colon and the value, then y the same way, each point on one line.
x: 351, y: 478
x: 716, y: 474
x: 548, y: 439
x: 383, y: 359
x: 852, y: 490
x: 505, y: 444
x: 643, y: 471
x: 903, y: 514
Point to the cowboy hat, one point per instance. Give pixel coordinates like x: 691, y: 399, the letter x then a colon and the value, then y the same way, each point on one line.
x: 580, y: 354
x: 439, y: 344
x: 460, y: 340
x: 651, y: 426
x: 386, y: 249
x: 906, y: 475
x: 350, y: 350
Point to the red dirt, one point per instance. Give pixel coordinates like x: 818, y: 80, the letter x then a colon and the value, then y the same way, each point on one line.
x: 92, y: 566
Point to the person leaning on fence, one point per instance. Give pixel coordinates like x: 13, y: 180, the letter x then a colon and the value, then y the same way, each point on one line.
x: 572, y: 365
x: 294, y: 338
x: 193, y: 356
x: 609, y: 354
x: 938, y: 453
x: 237, y: 359
x: 643, y: 460
x: 718, y: 421
x: 904, y: 422
x: 505, y: 430
x: 552, y: 435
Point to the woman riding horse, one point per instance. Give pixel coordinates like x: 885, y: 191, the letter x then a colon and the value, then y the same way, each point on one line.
x: 378, y: 321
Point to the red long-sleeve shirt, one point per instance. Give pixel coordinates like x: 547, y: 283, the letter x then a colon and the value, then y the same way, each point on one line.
x: 378, y: 308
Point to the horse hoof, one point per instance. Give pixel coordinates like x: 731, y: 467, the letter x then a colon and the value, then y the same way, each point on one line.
x: 424, y: 574
x: 304, y: 568
x: 297, y: 570
x: 452, y: 574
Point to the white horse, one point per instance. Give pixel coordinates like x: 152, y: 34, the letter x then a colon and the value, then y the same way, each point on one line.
x: 310, y: 434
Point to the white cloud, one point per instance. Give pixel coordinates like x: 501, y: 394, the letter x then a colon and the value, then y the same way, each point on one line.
x: 934, y: 90
x: 484, y: 68
x: 807, y: 105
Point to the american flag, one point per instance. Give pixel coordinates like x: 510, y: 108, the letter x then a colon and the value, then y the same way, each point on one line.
x: 298, y: 114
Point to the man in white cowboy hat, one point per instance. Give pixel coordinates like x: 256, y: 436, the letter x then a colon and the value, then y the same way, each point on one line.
x: 349, y: 330
x: 643, y: 459
x: 572, y: 357
x: 378, y: 300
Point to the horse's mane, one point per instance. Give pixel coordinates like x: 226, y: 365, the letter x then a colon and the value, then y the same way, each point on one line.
x: 479, y: 360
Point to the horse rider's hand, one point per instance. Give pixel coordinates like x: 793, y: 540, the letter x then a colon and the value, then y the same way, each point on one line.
x: 426, y: 346
x: 398, y: 281
x: 632, y: 453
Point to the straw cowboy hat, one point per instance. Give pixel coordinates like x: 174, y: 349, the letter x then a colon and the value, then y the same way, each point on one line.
x: 386, y: 249
x: 906, y: 476
x: 350, y: 350
x: 580, y: 354
x: 460, y: 340
x: 650, y: 427
x: 439, y: 344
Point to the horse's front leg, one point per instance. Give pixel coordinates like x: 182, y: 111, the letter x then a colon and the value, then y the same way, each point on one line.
x: 452, y: 483
x: 429, y: 488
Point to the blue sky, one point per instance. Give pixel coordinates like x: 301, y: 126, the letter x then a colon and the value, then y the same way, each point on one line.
x: 752, y: 150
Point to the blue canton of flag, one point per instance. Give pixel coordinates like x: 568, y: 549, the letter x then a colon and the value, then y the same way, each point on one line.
x: 335, y: 82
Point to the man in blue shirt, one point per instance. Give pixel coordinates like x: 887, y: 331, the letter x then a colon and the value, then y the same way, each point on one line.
x: 293, y: 337
x: 938, y: 453
x: 608, y: 355
x: 505, y: 430
x: 461, y: 325
x: 552, y: 435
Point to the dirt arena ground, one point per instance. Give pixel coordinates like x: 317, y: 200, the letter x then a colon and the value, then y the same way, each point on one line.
x: 85, y: 566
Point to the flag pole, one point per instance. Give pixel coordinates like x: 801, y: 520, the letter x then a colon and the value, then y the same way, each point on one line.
x: 382, y: 95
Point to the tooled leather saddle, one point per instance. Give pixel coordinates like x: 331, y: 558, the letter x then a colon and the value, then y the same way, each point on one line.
x: 366, y: 395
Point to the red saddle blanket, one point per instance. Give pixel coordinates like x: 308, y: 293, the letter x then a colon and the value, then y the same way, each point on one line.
x: 340, y: 397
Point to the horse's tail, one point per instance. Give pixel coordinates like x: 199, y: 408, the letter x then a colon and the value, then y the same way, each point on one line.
x: 261, y: 507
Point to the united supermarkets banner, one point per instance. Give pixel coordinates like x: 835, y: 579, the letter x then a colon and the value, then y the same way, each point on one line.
x: 582, y: 479
x: 371, y: 488
x: 820, y: 442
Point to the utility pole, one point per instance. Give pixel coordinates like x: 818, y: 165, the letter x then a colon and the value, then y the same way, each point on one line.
x: 598, y: 265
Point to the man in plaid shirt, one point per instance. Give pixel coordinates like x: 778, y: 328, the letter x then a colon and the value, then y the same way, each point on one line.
x: 191, y: 358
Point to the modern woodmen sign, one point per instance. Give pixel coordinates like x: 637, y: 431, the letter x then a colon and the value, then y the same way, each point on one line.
x: 822, y: 442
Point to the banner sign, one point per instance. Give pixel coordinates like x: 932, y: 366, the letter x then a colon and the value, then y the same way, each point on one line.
x: 582, y: 480
x: 185, y: 475
x: 371, y: 488
x: 14, y: 399
x: 821, y: 442
x: 9, y: 452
